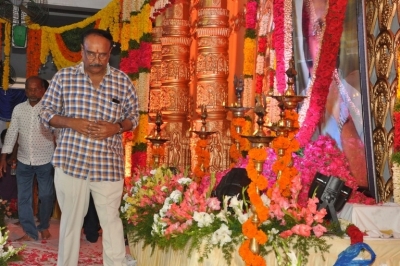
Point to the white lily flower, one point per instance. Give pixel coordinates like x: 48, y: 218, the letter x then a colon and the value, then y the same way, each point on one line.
x: 185, y: 181
x: 265, y: 200
x: 203, y: 219
x: 176, y: 196
x: 221, y: 236
x: 222, y: 216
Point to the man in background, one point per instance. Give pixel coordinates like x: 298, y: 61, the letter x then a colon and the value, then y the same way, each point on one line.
x: 35, y: 150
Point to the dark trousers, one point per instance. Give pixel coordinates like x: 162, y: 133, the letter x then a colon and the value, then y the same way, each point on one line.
x: 91, y: 224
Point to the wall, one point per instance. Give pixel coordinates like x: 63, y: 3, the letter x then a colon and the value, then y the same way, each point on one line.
x: 97, y: 4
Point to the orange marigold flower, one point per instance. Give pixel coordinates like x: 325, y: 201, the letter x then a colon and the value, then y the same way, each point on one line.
x: 261, y: 237
x: 258, y: 154
x: 249, y: 229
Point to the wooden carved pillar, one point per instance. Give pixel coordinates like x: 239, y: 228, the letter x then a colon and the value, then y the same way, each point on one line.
x: 155, y: 80
x: 212, y: 66
x: 175, y: 78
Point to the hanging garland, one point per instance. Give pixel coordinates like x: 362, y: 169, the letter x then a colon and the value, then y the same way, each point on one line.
x: 249, y: 50
x: 262, y: 45
x: 52, y: 40
x: 324, y: 70
x: 135, y: 61
x: 396, y: 116
x: 203, y: 160
x: 7, y: 50
x: 136, y: 44
x: 249, y: 229
x: 234, y: 152
x: 158, y: 7
x: 33, y: 61
x: 282, y: 166
x: 71, y: 39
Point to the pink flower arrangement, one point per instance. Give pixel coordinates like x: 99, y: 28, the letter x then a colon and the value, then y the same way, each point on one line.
x: 321, y: 155
x: 179, y: 217
x: 291, y: 223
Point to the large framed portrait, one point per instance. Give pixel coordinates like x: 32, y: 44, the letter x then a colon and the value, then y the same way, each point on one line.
x: 347, y: 112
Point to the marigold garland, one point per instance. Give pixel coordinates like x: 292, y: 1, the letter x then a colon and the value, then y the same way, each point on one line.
x: 126, y: 27
x: 66, y: 53
x: 140, y: 133
x: 251, y: 258
x: 203, y: 159
x: 107, y: 18
x: 127, y: 144
x: 33, y: 62
x: 234, y: 152
x: 136, y: 55
x: 249, y: 229
x: 249, y: 50
x: 7, y: 50
x: 287, y: 145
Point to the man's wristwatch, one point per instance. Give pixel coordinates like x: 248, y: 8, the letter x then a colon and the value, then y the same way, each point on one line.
x: 121, y: 128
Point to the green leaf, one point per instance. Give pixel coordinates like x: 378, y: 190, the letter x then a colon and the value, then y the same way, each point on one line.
x: 72, y: 38
x: 397, y: 106
x: 139, y: 147
x: 250, y: 33
x: 396, y: 157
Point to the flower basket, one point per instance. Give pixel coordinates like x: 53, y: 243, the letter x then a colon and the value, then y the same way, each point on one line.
x: 396, y: 182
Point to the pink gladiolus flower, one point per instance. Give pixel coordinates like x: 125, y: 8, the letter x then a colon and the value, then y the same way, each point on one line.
x: 213, y: 204
x: 296, y: 186
x: 319, y: 216
x: 312, y: 204
x: 319, y: 230
x: 286, y: 234
x: 302, y: 230
x: 276, y: 211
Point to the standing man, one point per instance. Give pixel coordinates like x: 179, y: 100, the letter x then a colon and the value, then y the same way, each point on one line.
x: 35, y: 150
x: 92, y: 103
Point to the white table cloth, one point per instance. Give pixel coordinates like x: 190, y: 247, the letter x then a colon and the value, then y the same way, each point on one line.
x: 387, y: 254
x: 381, y: 220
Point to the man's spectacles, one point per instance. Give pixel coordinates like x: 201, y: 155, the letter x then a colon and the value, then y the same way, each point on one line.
x: 91, y: 55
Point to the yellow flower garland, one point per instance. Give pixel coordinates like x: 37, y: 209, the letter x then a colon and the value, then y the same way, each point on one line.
x: 249, y: 56
x: 141, y: 131
x: 126, y: 28
x: 109, y: 19
x: 128, y: 161
x: 141, y: 23
x: 7, y: 50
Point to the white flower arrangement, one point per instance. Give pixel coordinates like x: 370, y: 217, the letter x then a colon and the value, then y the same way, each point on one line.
x: 7, y: 251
